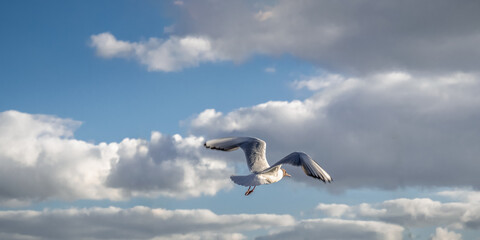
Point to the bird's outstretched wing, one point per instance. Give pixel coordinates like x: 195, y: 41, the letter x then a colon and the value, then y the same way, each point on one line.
x: 254, y: 149
x: 309, y: 166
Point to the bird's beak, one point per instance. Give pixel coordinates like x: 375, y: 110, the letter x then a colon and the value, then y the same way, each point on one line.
x: 288, y: 175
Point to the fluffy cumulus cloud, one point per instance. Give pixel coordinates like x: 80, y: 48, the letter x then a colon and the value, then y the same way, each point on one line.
x: 133, y: 223
x: 40, y: 159
x: 170, y: 166
x: 338, y: 229
x: 384, y: 131
x: 168, y: 55
x: 348, y: 36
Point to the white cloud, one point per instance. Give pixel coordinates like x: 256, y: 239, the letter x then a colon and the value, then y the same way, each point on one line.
x: 463, y: 195
x: 333, y: 210
x: 413, y: 213
x: 133, y: 223
x: 272, y: 113
x: 345, y: 36
x: 337, y: 229
x: 40, y: 159
x: 108, y: 46
x: 168, y: 55
x: 444, y: 234
x: 385, y: 131
x: 419, y: 212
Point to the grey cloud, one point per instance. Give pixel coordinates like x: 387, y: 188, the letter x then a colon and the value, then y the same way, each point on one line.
x: 383, y: 131
x: 344, y: 36
x: 133, y: 223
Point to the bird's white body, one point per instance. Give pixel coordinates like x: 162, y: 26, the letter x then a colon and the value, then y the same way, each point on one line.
x: 261, y: 178
x: 262, y: 172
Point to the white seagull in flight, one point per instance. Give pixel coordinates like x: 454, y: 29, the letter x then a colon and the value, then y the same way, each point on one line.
x: 262, y: 173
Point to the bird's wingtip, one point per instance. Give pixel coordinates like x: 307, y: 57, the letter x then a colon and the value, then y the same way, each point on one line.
x: 327, y: 180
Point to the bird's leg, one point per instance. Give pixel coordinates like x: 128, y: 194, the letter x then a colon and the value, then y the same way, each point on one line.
x: 248, y: 191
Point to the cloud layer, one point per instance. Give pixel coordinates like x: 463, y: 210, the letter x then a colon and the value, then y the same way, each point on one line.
x: 133, y: 223
x: 41, y: 160
x: 390, y: 220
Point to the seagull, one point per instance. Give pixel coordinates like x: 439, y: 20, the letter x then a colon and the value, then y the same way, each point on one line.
x: 262, y: 172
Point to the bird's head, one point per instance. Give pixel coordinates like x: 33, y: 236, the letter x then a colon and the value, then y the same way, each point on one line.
x: 285, y: 173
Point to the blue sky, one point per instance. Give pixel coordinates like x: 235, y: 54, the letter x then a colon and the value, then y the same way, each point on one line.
x: 65, y: 78
x: 105, y: 105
